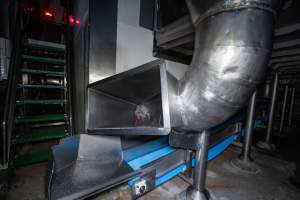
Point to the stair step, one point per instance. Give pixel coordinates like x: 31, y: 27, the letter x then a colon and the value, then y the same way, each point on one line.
x: 28, y: 159
x: 42, y: 86
x: 40, y: 118
x: 41, y: 101
x: 40, y: 136
x: 48, y: 124
x: 43, y: 45
x: 43, y: 72
x: 44, y: 60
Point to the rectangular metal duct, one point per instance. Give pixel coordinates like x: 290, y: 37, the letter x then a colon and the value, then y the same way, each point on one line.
x: 136, y: 102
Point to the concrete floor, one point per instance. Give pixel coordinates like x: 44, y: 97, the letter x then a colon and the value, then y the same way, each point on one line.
x: 224, y: 182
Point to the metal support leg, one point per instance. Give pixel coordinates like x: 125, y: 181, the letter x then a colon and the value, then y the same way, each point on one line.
x: 272, y: 108
x: 283, y: 111
x: 3, y: 160
x: 291, y: 110
x: 190, y: 166
x: 3, y: 180
x: 197, y: 190
x: 267, y: 89
x: 249, y: 128
x: 244, y: 161
x: 266, y: 144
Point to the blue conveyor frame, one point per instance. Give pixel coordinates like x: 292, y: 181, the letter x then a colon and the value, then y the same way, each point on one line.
x: 160, y: 148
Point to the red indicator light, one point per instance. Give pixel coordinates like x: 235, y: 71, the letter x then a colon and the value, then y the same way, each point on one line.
x: 48, y: 14
x: 77, y: 21
x: 71, y: 20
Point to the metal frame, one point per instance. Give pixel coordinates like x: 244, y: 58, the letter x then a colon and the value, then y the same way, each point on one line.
x: 165, y: 45
x: 283, y: 110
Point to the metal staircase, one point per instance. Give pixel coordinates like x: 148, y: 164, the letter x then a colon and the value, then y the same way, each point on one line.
x: 41, y: 101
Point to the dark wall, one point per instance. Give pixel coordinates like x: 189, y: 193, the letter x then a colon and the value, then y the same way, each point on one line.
x: 4, y: 18
x: 289, y: 15
x: 147, y: 13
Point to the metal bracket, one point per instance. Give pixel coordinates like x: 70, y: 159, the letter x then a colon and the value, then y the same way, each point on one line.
x: 145, y: 184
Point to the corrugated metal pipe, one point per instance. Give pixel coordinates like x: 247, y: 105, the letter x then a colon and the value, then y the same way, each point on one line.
x: 233, y: 43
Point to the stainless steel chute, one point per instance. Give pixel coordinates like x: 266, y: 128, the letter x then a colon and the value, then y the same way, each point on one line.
x: 233, y: 43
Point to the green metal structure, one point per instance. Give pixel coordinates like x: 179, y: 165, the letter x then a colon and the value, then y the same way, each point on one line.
x: 41, y: 107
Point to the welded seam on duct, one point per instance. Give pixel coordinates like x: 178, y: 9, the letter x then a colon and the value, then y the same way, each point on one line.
x: 228, y: 7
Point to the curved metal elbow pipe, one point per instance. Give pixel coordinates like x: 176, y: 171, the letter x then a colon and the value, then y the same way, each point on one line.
x: 233, y: 43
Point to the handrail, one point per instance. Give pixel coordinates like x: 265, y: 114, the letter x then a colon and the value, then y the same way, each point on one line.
x: 68, y: 56
x: 7, y: 123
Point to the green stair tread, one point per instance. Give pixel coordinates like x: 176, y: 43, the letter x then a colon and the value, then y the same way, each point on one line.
x: 28, y: 159
x: 41, y: 86
x: 40, y: 136
x: 40, y: 101
x: 43, y: 45
x: 40, y: 118
x: 44, y: 60
x: 43, y: 72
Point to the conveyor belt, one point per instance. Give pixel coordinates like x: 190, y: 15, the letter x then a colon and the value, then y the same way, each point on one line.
x: 162, y: 149
x: 152, y: 156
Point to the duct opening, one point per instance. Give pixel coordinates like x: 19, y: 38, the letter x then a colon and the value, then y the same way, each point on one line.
x: 129, y: 101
